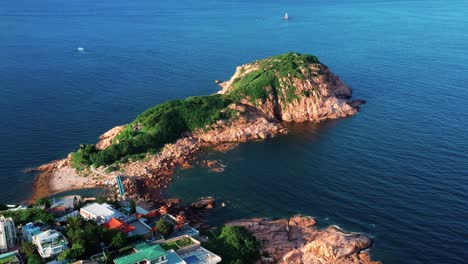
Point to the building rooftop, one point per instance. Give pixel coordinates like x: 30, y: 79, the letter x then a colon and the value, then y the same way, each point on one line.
x: 49, y: 234
x: 140, y: 228
x: 10, y: 258
x: 5, y: 219
x: 104, y: 209
x: 200, y: 256
x: 119, y: 225
x: 144, y: 252
x: 173, y: 258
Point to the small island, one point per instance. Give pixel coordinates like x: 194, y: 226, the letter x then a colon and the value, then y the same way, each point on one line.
x: 252, y: 105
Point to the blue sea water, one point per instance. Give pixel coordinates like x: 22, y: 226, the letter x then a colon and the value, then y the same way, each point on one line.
x: 397, y: 171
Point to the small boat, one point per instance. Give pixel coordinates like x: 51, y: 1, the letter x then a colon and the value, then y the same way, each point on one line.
x: 285, y: 17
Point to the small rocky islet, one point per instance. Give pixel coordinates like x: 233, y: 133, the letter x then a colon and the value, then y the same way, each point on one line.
x: 252, y: 105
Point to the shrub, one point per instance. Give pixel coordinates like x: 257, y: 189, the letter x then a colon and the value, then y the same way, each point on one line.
x: 235, y: 245
x: 164, y: 227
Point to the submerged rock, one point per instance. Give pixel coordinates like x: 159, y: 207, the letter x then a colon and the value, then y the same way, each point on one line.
x: 204, y: 203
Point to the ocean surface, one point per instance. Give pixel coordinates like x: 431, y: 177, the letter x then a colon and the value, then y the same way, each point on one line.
x: 397, y: 171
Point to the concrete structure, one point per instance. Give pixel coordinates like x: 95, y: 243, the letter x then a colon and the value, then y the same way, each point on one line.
x: 101, y: 213
x: 200, y: 256
x: 173, y: 258
x: 7, y: 233
x: 50, y: 243
x: 11, y: 258
x: 66, y: 202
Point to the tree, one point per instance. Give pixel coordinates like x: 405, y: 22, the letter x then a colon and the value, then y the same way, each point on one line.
x: 34, y: 259
x: 118, y: 240
x: 28, y: 248
x: 75, y: 252
x: 236, y: 245
x: 87, y: 233
x: 22, y: 217
x: 42, y: 202
x: 3, y: 207
x: 164, y: 227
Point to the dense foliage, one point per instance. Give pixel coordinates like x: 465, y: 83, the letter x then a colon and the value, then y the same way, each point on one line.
x: 164, y: 227
x: 154, y: 128
x: 42, y: 202
x: 25, y: 216
x: 165, y: 123
x: 235, y: 245
x: 86, y: 237
x: 266, y: 80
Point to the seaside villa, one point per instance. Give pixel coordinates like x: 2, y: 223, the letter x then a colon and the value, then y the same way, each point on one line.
x: 144, y: 254
x: 7, y: 233
x: 180, y: 250
x: 50, y: 243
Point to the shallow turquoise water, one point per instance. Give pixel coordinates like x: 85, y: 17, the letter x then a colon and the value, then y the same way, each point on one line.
x: 397, y: 171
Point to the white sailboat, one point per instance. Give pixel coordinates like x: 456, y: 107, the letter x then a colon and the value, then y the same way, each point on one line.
x: 285, y: 17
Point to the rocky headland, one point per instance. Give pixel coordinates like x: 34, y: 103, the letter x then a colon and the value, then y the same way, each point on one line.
x: 251, y: 105
x: 298, y: 241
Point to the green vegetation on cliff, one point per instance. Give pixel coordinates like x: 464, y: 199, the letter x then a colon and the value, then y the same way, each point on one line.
x: 234, y: 244
x: 157, y: 126
x: 268, y: 77
x: 167, y: 122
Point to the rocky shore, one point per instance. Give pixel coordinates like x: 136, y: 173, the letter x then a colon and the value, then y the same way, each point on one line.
x: 310, y: 92
x: 297, y: 241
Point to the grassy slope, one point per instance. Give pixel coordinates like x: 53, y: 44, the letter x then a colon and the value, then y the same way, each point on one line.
x: 267, y: 79
x: 165, y: 123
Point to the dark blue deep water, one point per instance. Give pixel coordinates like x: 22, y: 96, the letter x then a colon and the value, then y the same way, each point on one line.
x: 398, y: 171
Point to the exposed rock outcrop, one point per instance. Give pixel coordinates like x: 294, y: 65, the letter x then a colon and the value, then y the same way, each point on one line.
x: 298, y: 241
x: 316, y: 96
x: 106, y: 139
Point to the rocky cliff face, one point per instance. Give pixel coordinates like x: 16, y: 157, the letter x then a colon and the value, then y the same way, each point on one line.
x: 306, y: 91
x: 298, y: 241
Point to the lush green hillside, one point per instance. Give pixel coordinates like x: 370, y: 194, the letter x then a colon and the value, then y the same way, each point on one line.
x: 159, y: 125
x: 269, y: 77
x: 165, y: 123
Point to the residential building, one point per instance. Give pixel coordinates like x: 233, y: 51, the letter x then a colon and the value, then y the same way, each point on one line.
x: 181, y: 250
x: 101, y: 213
x: 29, y: 230
x: 11, y: 258
x: 190, y: 251
x: 50, y: 243
x: 7, y: 233
x: 144, y: 254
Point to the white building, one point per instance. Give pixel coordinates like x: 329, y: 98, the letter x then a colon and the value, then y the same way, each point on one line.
x: 7, y: 233
x: 101, y: 213
x: 50, y: 243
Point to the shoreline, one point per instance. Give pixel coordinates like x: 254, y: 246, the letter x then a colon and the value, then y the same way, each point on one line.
x: 147, y: 179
